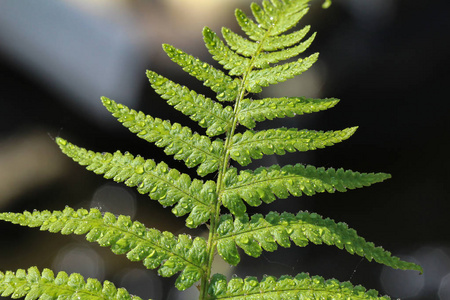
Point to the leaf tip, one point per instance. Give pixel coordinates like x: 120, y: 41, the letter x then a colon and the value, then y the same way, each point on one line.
x: 61, y: 142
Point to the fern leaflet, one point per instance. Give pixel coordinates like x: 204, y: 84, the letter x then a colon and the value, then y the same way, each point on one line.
x: 168, y: 186
x: 252, y: 111
x: 252, y: 144
x: 34, y: 285
x: 299, y: 287
x: 248, y: 48
x: 208, y: 113
x: 225, y: 86
x: 267, y: 184
x: 193, y: 149
x: 152, y: 247
x: 258, y: 233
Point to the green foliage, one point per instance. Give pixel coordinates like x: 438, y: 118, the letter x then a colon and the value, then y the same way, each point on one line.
x: 152, y: 247
x: 286, y: 287
x: 251, y: 64
x: 264, y: 233
x: 35, y: 285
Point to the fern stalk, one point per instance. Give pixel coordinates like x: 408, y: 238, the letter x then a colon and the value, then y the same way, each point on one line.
x: 212, y: 238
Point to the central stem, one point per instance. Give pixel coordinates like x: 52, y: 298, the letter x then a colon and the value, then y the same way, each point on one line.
x: 214, y: 222
x: 212, y: 238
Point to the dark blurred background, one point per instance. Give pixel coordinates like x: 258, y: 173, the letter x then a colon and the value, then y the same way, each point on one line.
x: 386, y: 60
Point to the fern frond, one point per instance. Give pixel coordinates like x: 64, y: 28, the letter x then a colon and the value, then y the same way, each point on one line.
x: 153, y: 247
x: 208, y: 113
x: 194, y: 149
x: 274, y: 19
x: 253, y: 111
x: 252, y: 144
x: 273, y: 75
x: 167, y: 186
x: 34, y: 285
x: 258, y: 233
x: 225, y: 86
x: 300, y: 287
x: 267, y: 183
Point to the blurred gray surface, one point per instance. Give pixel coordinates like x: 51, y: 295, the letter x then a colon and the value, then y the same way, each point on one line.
x: 78, y: 55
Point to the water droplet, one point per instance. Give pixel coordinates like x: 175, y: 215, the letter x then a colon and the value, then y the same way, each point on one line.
x: 139, y: 170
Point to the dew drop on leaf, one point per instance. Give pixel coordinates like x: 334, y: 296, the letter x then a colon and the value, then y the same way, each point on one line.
x: 139, y: 169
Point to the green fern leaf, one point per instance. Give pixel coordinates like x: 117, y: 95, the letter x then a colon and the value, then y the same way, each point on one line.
x: 238, y: 65
x: 226, y: 87
x: 258, y: 233
x: 255, y: 32
x: 268, y: 183
x: 252, y: 144
x: 248, y: 48
x: 253, y: 111
x: 284, y: 16
x: 154, y: 248
x: 231, y: 61
x: 261, y: 16
x: 300, y: 287
x: 208, y: 113
x: 34, y: 285
x: 285, y: 40
x: 264, y: 59
x: 276, y: 18
x: 238, y: 43
x: 277, y: 74
x: 168, y: 186
x: 193, y: 149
